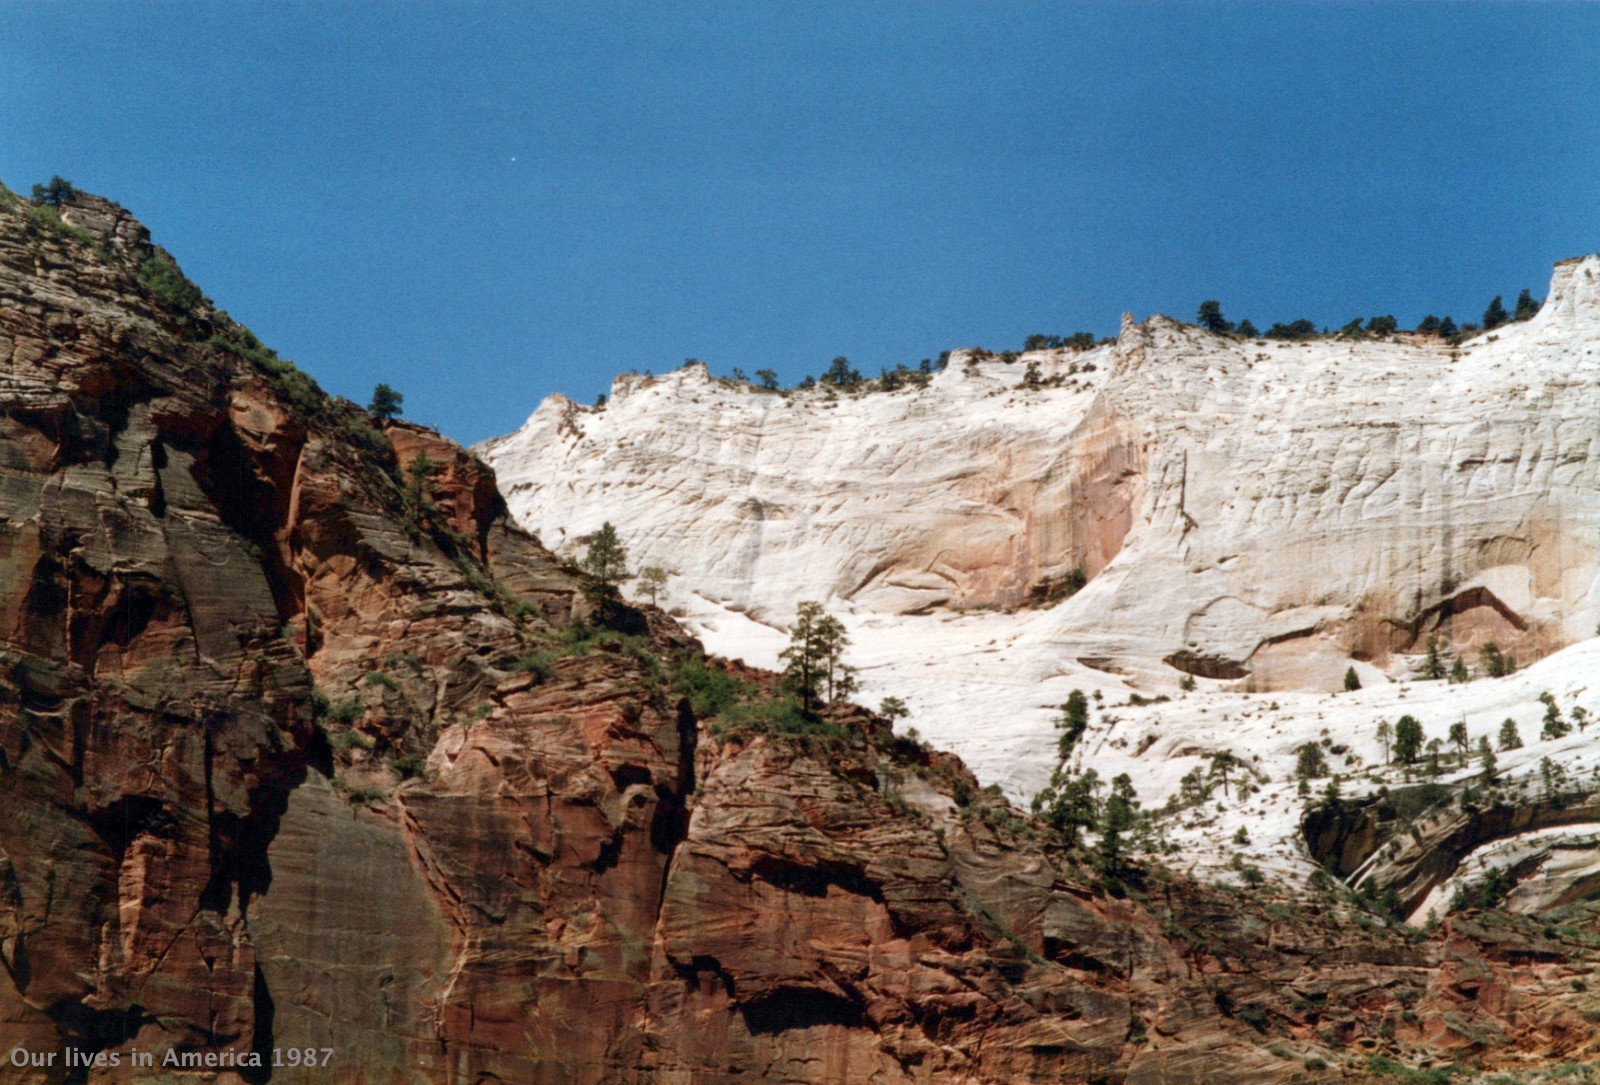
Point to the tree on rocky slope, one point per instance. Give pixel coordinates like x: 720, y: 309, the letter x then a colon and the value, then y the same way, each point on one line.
x: 814, y: 667
x: 1408, y: 739
x: 1071, y: 802
x: 55, y: 193
x: 1222, y: 765
x: 606, y: 562
x: 385, y: 403
x: 1211, y: 319
x: 1385, y: 734
x: 1527, y: 306
x: 1309, y: 763
x: 415, y: 498
x: 1487, y: 759
x: 1510, y: 737
x: 841, y: 374
x: 1116, y: 818
x: 1352, y: 681
x: 1072, y: 722
x: 652, y: 581
x: 1495, y: 315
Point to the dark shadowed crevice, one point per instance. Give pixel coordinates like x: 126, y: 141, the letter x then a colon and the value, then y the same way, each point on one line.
x: 261, y: 1042
x: 90, y: 1031
x: 789, y: 1008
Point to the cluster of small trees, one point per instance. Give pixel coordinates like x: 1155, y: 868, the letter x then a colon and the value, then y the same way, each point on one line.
x: 1210, y: 318
x: 814, y: 667
x: 1075, y: 341
x: 1405, y: 742
x: 1439, y: 663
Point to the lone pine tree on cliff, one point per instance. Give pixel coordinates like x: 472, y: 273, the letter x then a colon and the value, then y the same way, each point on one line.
x: 385, y: 403
x: 606, y: 562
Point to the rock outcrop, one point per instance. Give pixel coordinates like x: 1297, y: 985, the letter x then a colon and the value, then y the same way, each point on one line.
x: 304, y: 747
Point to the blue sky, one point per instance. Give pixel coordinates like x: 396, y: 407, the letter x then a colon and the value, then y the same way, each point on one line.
x: 484, y: 203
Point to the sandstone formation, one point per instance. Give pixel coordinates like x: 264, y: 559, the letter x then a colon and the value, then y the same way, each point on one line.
x: 1263, y: 514
x: 300, y: 749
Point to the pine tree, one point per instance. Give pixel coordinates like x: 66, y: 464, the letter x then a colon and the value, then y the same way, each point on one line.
x: 1222, y: 764
x: 652, y: 581
x: 1248, y: 330
x: 768, y: 379
x: 1385, y: 734
x: 1527, y: 307
x: 1408, y: 740
x: 606, y: 562
x: 841, y: 375
x: 1073, y: 722
x: 1459, y: 739
x: 1211, y: 318
x: 892, y: 709
x: 1429, y: 325
x: 1487, y: 758
x: 814, y: 666
x: 1070, y: 803
x: 1117, y: 819
x: 385, y: 403
x: 1459, y: 672
x: 1447, y: 327
x: 1554, y: 726
x: 1495, y: 315
x: 1433, y: 667
x: 1352, y: 681
x: 1310, y: 764
x: 803, y: 658
x: 55, y: 193
x: 839, y: 676
x: 1510, y: 739
x: 414, y: 496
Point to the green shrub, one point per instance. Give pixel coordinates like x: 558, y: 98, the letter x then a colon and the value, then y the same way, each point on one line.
x: 711, y: 690
x: 345, y: 741
x: 408, y: 765
x: 779, y: 716
x: 536, y: 664
x: 1254, y: 1016
x: 343, y: 713
x: 1439, y: 1075
x: 168, y: 285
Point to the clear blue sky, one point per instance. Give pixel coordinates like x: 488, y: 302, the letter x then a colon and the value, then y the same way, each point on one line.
x: 484, y: 203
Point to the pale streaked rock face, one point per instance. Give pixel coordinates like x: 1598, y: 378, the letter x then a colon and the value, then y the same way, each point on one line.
x: 1260, y: 515
x: 1256, y: 511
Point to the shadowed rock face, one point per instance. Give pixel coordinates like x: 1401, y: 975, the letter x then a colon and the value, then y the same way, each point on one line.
x: 451, y: 863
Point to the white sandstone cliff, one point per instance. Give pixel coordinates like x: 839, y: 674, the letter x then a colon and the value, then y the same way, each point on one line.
x: 1259, y: 515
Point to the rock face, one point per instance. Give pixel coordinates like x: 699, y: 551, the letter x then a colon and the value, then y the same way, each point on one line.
x: 1250, y: 510
x: 303, y: 747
